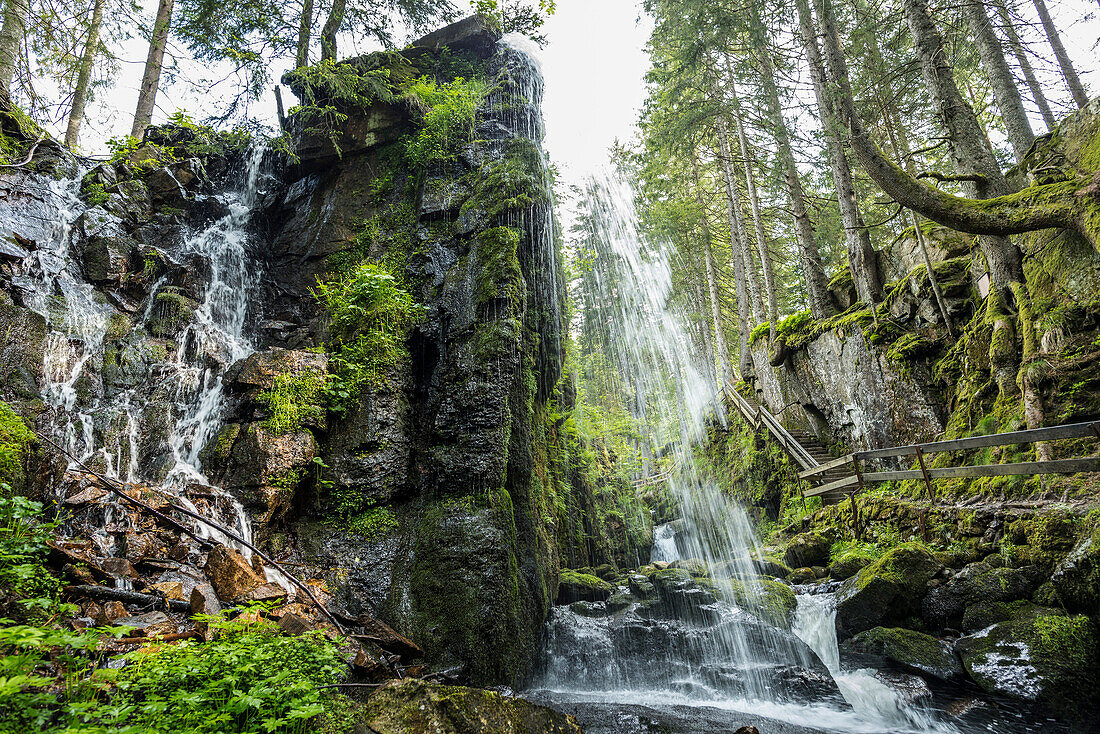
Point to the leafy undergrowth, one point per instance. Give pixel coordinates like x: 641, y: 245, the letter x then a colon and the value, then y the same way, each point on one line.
x: 249, y: 678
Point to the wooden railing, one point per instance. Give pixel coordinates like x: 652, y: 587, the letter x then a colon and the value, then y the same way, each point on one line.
x: 859, y: 477
x: 756, y: 416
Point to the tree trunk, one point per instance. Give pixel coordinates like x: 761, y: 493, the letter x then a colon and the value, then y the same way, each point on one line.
x: 705, y: 336
x: 712, y: 282
x: 150, y: 80
x: 738, y: 244
x: 970, y: 149
x: 861, y: 254
x: 817, y: 285
x: 1005, y: 92
x: 1075, y: 87
x: 84, y: 78
x: 1034, y: 208
x: 1025, y: 66
x: 754, y: 204
x: 11, y: 39
x: 332, y: 27
x: 305, y: 23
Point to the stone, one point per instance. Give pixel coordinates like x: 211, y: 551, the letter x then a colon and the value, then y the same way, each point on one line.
x: 204, y: 600
x: 139, y: 546
x: 910, y: 690
x: 1041, y: 655
x: 641, y: 587
x: 230, y: 573
x: 910, y: 649
x: 807, y: 549
x: 801, y: 576
x: 387, y: 638
x: 1076, y: 578
x: 574, y: 586
x: 848, y: 565
x: 887, y: 591
x: 170, y: 589
x: 414, y: 706
x: 108, y: 613
x: 150, y: 624
x: 78, y: 574
x: 265, y: 593
x: 119, y: 568
x: 977, y: 583
x: 473, y: 34
x: 292, y: 624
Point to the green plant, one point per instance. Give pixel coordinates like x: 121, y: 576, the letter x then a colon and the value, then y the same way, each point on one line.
x: 23, y: 548
x: 14, y: 437
x: 449, y: 113
x: 294, y: 400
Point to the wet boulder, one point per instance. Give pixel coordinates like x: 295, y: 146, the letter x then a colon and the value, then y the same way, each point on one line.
x: 886, y: 592
x: 414, y: 706
x: 1041, y: 655
x: 574, y: 586
x: 910, y: 649
x: 807, y: 549
x: 230, y: 574
x: 977, y: 583
x: 1076, y: 578
x: 848, y: 564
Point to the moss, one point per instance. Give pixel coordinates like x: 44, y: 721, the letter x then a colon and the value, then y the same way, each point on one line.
x: 498, y: 271
x: 515, y: 181
x: 907, y: 647
x: 295, y: 400
x: 14, y: 439
x: 374, y: 523
x: 761, y: 331
x: 583, y: 580
x: 772, y: 601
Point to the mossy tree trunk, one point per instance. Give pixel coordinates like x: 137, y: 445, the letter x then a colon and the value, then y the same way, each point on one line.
x: 84, y: 77
x: 332, y: 27
x: 11, y: 39
x: 154, y: 64
x: 1005, y: 92
x: 712, y: 282
x: 305, y: 24
x: 861, y: 254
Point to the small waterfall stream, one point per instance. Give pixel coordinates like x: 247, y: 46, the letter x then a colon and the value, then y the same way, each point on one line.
x: 108, y: 427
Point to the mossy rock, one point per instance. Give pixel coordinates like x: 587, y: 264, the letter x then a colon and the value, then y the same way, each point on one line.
x: 414, y: 706
x: 1042, y: 655
x: 14, y: 438
x: 910, y: 649
x: 772, y: 601
x: 848, y: 564
x: 807, y: 549
x: 1076, y: 579
x: 977, y: 583
x: 887, y: 591
x: 575, y: 586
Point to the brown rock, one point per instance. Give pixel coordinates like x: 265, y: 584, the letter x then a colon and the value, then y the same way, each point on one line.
x: 369, y: 663
x: 266, y: 592
x: 149, y: 624
x: 114, y: 611
x: 387, y: 638
x: 179, y: 552
x: 92, y: 610
x: 90, y: 494
x: 170, y: 589
x: 292, y: 624
x: 79, y: 574
x: 230, y: 573
x: 139, y: 546
x: 204, y: 601
x: 119, y: 568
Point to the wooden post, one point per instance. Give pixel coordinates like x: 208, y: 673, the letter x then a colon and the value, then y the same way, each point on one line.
x: 924, y: 471
x: 279, y: 107
x: 852, y: 497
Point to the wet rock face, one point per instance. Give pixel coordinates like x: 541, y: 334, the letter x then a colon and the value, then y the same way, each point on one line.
x: 888, y: 591
x: 909, y: 648
x: 965, y: 600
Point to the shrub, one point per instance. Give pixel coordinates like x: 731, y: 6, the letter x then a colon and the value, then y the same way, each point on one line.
x: 448, y: 121
x: 294, y: 400
x: 14, y: 437
x: 23, y: 536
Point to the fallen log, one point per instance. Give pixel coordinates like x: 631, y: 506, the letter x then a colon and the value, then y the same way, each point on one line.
x: 129, y: 597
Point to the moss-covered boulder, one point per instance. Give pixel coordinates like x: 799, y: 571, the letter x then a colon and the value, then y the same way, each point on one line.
x: 847, y: 564
x: 886, y: 592
x: 977, y: 583
x: 575, y: 586
x: 1076, y: 579
x: 14, y: 437
x: 417, y: 707
x: 807, y: 549
x: 772, y: 601
x: 910, y: 649
x: 1041, y: 655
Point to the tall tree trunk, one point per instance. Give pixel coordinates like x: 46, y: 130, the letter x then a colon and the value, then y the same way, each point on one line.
x: 1025, y: 66
x: 862, y: 260
x: 332, y: 27
x: 1005, y: 92
x: 705, y: 336
x: 970, y: 149
x: 712, y: 281
x: 84, y: 77
x: 1075, y: 87
x: 754, y: 204
x: 817, y: 285
x: 739, y: 239
x: 154, y: 64
x: 305, y: 23
x: 11, y: 39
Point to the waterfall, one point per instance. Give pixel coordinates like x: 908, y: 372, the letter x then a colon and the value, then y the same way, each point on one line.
x: 108, y: 427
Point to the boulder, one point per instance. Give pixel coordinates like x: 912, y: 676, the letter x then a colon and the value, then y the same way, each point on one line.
x: 414, y: 706
x: 119, y: 568
x: 1076, y: 578
x: 474, y: 34
x: 264, y: 592
x: 1041, y: 655
x: 574, y: 586
x: 977, y: 583
x: 150, y: 624
x: 807, y: 549
x: 887, y: 591
x: 910, y: 649
x: 230, y: 574
x: 170, y: 589
x: 847, y: 565
x: 801, y: 576
x: 387, y: 638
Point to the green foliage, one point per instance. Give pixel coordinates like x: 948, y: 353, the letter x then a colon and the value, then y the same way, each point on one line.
x: 448, y: 122
x: 1068, y: 640
x: 33, y: 590
x: 294, y: 400
x: 14, y: 437
x: 370, y: 317
x: 373, y: 523
x: 760, y: 332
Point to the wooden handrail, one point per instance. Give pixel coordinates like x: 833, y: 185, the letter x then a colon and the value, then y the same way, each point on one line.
x: 1031, y: 435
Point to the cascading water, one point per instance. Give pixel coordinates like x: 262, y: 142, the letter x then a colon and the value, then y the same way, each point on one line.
x: 709, y: 651
x: 108, y: 427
